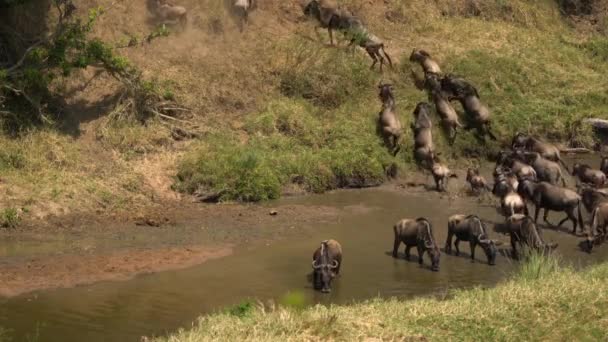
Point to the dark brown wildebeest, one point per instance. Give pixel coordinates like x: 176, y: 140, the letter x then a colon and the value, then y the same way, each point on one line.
x: 588, y: 175
x: 423, y: 135
x: 531, y: 144
x: 478, y: 183
x: 326, y: 263
x: 327, y: 16
x: 598, y: 231
x: 471, y: 229
x: 417, y: 233
x: 604, y: 165
x: 428, y: 64
x: 552, y: 197
x: 504, y: 181
x: 523, y: 231
x: 388, y: 121
x: 546, y: 170
x: 468, y: 96
x: 592, y: 198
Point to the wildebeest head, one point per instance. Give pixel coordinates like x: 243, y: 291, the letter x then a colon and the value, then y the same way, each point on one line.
x: 422, y: 108
x: 386, y: 92
x: 591, y: 197
x: 313, y: 9
x: 519, y: 141
x: 323, y: 270
x: 489, y: 248
x: 429, y: 244
x: 419, y: 55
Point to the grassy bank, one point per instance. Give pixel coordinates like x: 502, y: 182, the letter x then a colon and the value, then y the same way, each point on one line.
x: 544, y: 302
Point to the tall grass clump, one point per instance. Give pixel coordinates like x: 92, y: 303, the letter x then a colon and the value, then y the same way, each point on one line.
x: 543, y: 302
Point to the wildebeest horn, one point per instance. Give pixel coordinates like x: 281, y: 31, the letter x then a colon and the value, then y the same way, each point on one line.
x: 334, y: 264
x: 314, y: 264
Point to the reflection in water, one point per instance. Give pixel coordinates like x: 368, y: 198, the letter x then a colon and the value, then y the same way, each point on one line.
x: 159, y: 303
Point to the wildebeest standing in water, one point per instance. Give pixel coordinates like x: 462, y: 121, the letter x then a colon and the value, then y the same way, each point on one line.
x: 243, y: 7
x: 417, y: 233
x: 588, y: 175
x: 388, y: 121
x: 523, y: 231
x: 326, y: 263
x: 598, y: 231
x: 468, y: 97
x: 546, y: 169
x: 552, y: 197
x: 423, y: 135
x: 471, y: 229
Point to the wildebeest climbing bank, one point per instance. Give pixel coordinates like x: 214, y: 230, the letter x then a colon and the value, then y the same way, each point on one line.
x: 289, y: 161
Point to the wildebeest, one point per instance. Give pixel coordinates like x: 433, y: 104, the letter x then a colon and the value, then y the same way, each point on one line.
x: 477, y: 182
x: 523, y: 231
x: 504, y: 181
x: 423, y: 135
x: 512, y: 203
x: 373, y: 45
x: 326, y: 263
x: 428, y: 64
x: 468, y: 96
x: 552, y: 197
x: 604, y: 165
x: 447, y: 113
x: 598, y: 231
x: 516, y: 165
x: 588, y: 175
x: 531, y: 144
x: 244, y: 7
x: 171, y: 14
x: 327, y: 16
x: 388, y: 121
x: 471, y: 229
x: 441, y: 175
x: 546, y: 170
x: 592, y: 198
x: 417, y: 233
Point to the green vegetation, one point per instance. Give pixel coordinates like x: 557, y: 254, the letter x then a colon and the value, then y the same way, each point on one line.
x: 9, y: 218
x: 544, y: 302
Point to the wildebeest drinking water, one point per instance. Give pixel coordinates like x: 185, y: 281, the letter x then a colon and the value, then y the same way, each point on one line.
x: 388, y: 121
x: 523, y: 231
x: 470, y: 228
x: 417, y: 233
x: 423, y: 135
x: 326, y: 263
x: 467, y: 95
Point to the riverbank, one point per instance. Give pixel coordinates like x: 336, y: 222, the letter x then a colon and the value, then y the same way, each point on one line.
x: 544, y: 302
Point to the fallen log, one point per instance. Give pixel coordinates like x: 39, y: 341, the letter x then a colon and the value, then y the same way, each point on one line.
x: 574, y: 150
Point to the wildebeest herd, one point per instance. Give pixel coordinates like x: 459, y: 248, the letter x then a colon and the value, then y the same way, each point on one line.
x: 529, y: 174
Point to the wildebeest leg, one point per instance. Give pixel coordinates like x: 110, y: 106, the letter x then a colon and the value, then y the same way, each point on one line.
x: 331, y: 35
x: 396, y: 246
x: 448, y: 242
x: 513, y: 248
x: 545, y: 217
x: 456, y: 243
x: 570, y: 216
x: 420, y: 253
x: 473, y: 246
x: 407, y: 251
x: 536, y: 212
x: 373, y: 56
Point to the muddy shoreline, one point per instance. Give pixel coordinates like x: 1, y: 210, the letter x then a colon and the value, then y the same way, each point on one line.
x: 81, y: 249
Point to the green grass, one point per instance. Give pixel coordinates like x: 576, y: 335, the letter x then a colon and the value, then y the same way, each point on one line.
x: 544, y: 302
x: 9, y: 218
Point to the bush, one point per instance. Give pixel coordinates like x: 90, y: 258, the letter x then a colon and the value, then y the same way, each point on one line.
x: 9, y: 218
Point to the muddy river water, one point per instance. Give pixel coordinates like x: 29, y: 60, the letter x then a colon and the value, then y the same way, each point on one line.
x: 160, y: 303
